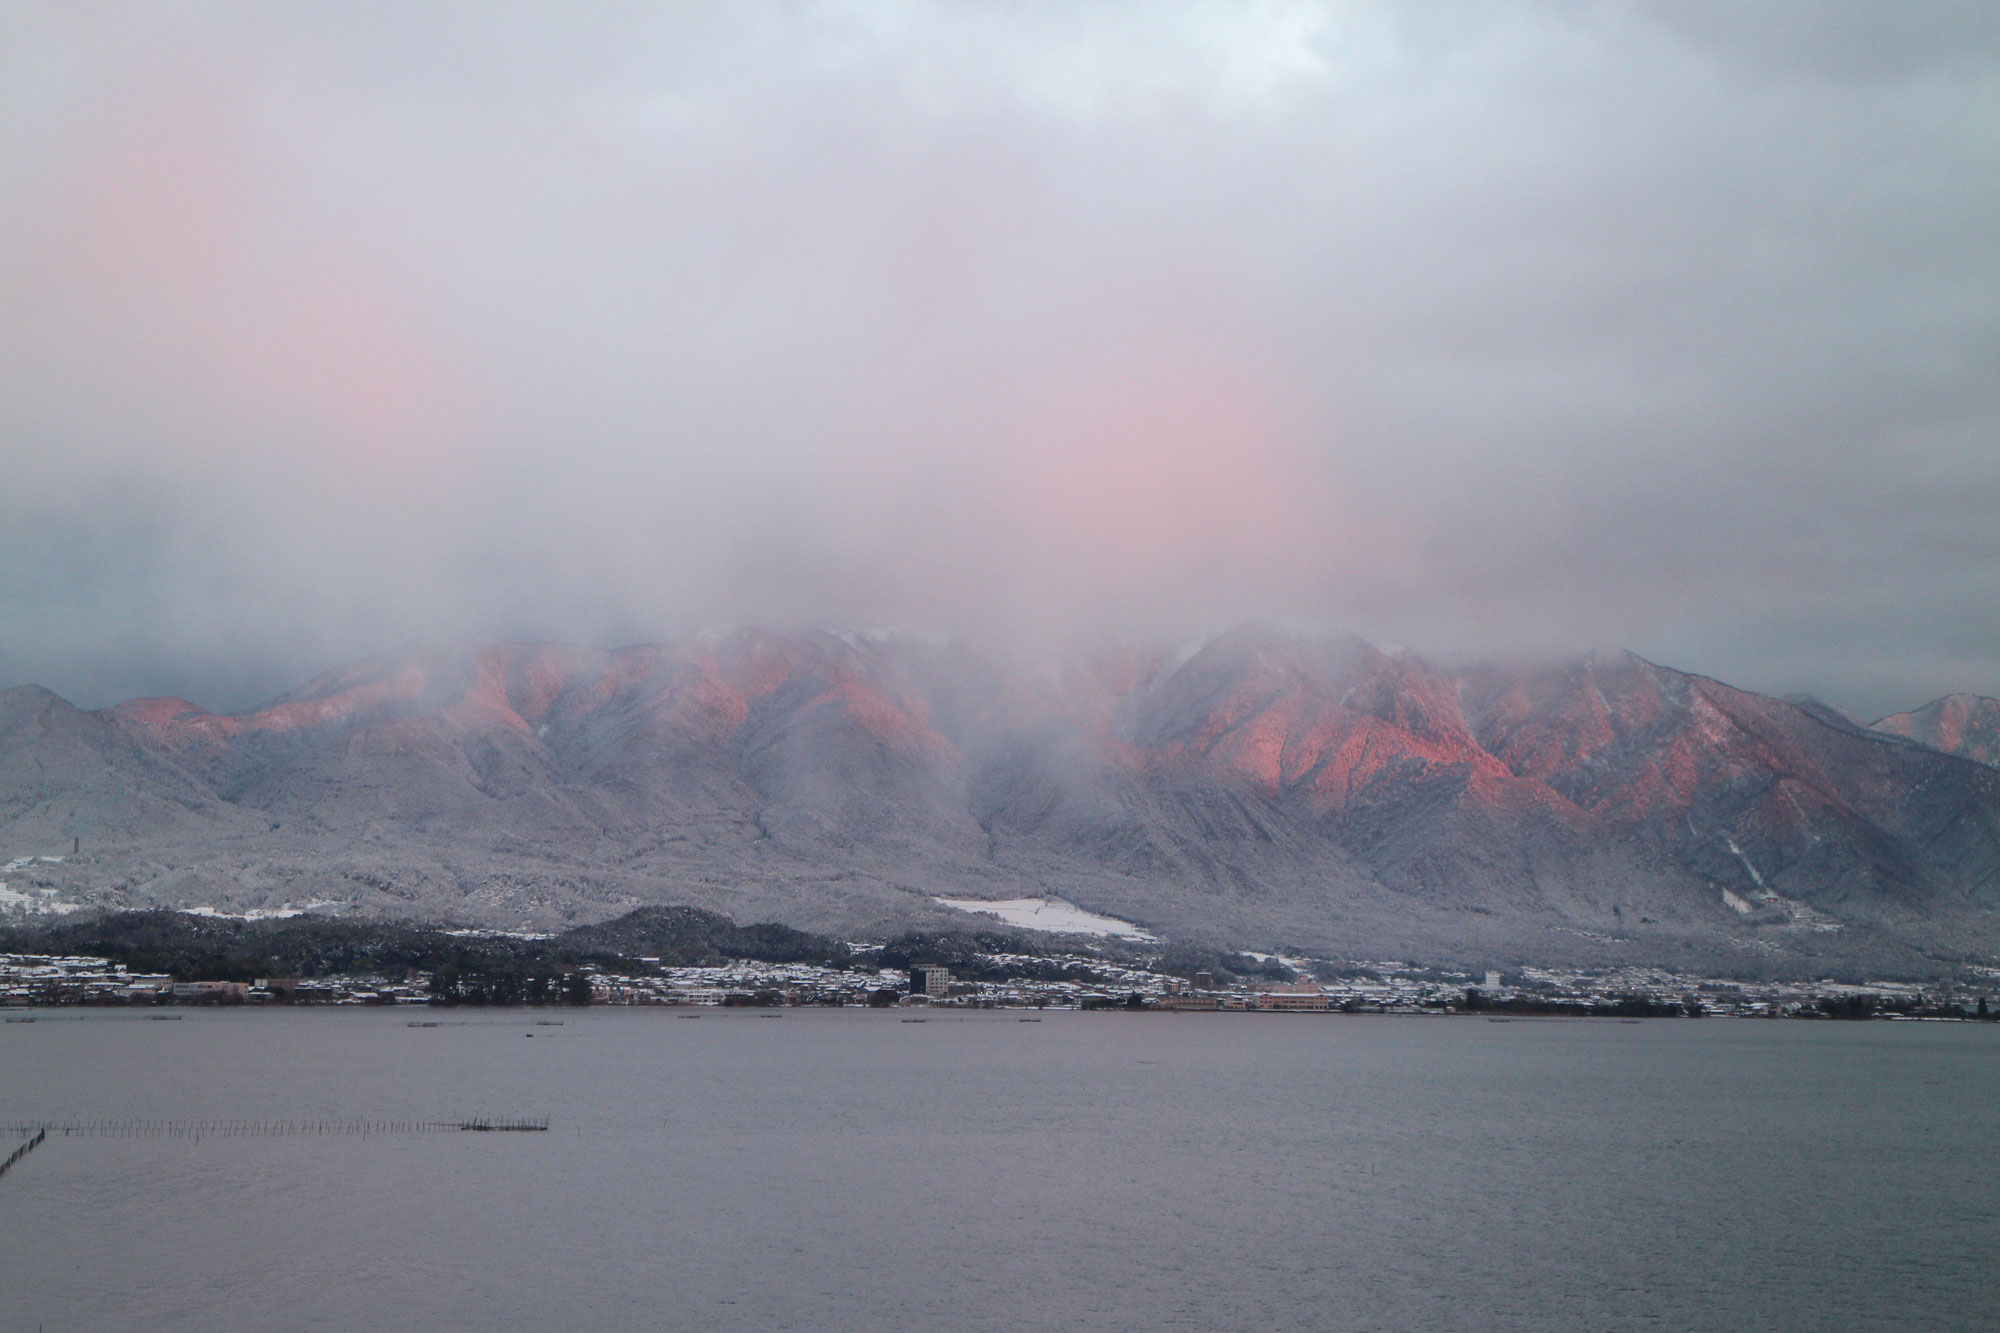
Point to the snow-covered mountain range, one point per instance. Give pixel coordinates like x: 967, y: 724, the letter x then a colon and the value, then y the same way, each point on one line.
x: 1269, y: 790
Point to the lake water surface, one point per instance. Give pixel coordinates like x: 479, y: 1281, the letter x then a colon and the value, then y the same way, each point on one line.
x: 848, y: 1169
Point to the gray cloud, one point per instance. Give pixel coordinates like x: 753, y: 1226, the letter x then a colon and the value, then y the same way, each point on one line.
x: 1510, y: 328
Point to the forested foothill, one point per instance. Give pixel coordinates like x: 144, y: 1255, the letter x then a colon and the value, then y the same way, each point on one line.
x: 456, y: 966
x: 467, y: 967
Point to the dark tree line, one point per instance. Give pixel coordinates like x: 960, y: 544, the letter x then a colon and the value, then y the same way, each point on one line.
x: 192, y: 948
x: 968, y: 953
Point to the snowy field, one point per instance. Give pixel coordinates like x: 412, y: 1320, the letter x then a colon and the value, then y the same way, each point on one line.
x: 261, y: 913
x: 1050, y: 914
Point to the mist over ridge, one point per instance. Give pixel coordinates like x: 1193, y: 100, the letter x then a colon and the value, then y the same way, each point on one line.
x: 1497, y: 330
x: 1269, y: 789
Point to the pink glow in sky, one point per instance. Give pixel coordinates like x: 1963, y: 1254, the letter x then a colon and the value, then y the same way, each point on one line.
x: 158, y: 269
x: 1515, y: 327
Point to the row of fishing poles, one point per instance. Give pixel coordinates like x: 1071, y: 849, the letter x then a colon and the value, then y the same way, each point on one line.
x: 200, y: 1129
x: 23, y: 1151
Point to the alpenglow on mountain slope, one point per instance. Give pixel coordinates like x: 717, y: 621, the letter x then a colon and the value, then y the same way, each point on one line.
x: 1966, y: 725
x: 1269, y: 791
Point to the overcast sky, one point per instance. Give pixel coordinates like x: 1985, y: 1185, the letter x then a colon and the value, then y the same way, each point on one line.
x: 1516, y: 328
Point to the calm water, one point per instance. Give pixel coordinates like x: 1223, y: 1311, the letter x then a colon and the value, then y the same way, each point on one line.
x: 843, y: 1170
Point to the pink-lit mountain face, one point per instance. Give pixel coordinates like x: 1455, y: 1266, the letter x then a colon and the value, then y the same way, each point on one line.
x: 1268, y: 790
x: 1967, y: 725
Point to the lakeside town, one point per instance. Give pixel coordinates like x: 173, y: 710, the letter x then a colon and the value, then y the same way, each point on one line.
x: 32, y: 981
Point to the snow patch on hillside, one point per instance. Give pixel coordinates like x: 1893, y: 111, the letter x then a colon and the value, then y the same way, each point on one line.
x: 35, y: 901
x: 1050, y: 914
x: 262, y: 913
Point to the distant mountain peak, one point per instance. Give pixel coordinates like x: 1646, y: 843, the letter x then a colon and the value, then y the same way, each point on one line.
x: 1966, y: 725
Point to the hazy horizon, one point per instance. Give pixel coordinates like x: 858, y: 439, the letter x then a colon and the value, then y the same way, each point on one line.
x: 1517, y: 329
x: 1036, y: 659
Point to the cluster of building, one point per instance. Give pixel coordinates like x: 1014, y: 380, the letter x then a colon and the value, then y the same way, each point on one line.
x: 1747, y: 999
x: 64, y: 979
x: 741, y: 982
x: 46, y: 979
x: 1351, y: 987
x: 803, y: 984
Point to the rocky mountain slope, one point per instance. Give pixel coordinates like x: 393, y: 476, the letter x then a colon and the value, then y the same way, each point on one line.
x: 1266, y: 791
x: 1967, y: 725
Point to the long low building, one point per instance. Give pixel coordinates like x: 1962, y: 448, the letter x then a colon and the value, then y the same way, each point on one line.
x: 1303, y: 999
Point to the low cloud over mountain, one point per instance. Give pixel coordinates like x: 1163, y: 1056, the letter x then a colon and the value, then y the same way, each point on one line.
x: 1497, y: 327
x: 1268, y: 789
